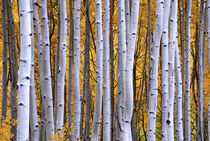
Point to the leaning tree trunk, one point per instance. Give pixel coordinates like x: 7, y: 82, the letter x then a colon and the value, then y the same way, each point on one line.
x: 24, y: 70
x: 76, y: 71
x: 187, y: 132
x: 4, y: 72
x: 61, y: 69
x: 171, y: 74
x: 164, y: 75
x: 200, y: 135
x: 46, y: 79
x: 99, y: 67
x: 208, y: 34
x: 106, y: 76
x: 128, y: 112
x: 178, y: 97
x: 153, y: 88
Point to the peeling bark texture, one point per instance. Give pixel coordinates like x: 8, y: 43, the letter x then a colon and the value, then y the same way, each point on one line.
x: 76, y: 71
x: 4, y: 72
x: 46, y: 79
x: 99, y: 71
x: 153, y: 88
x: 24, y: 70
x: 187, y: 132
x: 164, y: 75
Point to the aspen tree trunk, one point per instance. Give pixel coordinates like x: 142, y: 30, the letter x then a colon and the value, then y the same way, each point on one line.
x: 71, y: 42
x: 171, y: 74
x: 14, y: 67
x: 178, y: 113
x: 208, y: 34
x: 164, y: 76
x: 187, y: 132
x: 129, y: 68
x: 38, y: 36
x: 4, y: 72
x: 121, y: 64
x: 200, y: 135
x: 204, y: 39
x: 99, y: 67
x: 152, y: 97
x: 61, y: 68
x: 127, y: 19
x: 24, y: 70
x: 87, y: 47
x: 106, y: 76
x: 46, y: 80
x: 34, y: 126
x: 76, y: 71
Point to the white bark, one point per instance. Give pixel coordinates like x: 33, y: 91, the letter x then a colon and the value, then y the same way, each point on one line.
x: 46, y: 79
x: 38, y: 37
x: 187, y: 132
x: 129, y: 68
x: 24, y: 70
x: 34, y: 126
x: 106, y: 76
x: 153, y: 88
x: 121, y: 64
x: 171, y: 74
x: 178, y: 112
x: 76, y: 71
x: 61, y: 67
x: 4, y: 72
x: 164, y: 75
x: 99, y: 67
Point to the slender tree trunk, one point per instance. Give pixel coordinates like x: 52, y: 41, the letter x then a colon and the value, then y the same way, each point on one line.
x: 14, y: 67
x: 46, y: 80
x: 106, y: 76
x: 187, y: 127
x: 112, y: 66
x: 153, y: 88
x: 178, y: 97
x: 4, y: 72
x: 129, y: 68
x: 71, y: 42
x: 87, y: 48
x: 164, y: 76
x: 208, y: 34
x: 24, y: 70
x: 38, y: 36
x: 61, y: 68
x: 76, y: 71
x: 200, y: 135
x: 99, y: 67
x: 34, y: 126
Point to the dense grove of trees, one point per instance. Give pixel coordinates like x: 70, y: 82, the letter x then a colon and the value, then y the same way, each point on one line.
x: 122, y: 70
